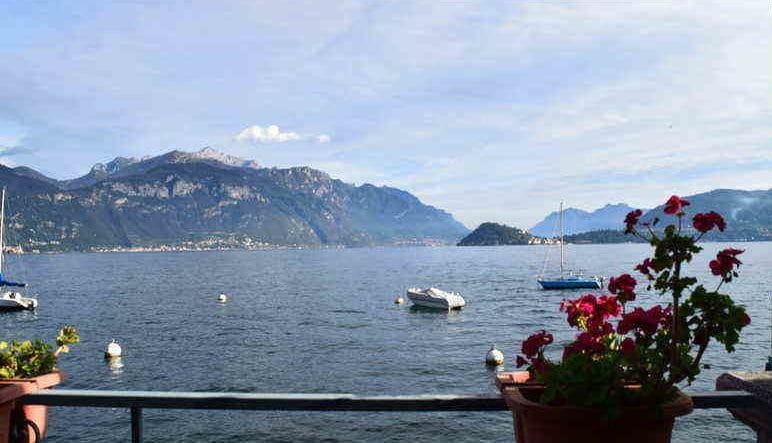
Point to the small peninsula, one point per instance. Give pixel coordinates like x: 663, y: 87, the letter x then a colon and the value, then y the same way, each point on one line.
x: 495, y: 234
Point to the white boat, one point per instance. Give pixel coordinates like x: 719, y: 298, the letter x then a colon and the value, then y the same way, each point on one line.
x: 435, y: 298
x: 11, y: 300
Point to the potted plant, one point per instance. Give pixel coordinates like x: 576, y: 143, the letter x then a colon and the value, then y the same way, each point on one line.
x: 28, y: 366
x: 618, y: 380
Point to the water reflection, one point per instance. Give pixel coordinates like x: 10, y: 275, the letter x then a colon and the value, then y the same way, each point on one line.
x: 115, y: 366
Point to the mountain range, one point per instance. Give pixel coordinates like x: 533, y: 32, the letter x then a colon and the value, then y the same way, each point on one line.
x: 578, y: 220
x: 210, y: 199
x: 748, y: 215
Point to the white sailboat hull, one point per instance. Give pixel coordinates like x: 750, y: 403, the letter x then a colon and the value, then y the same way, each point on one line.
x: 434, y: 298
x: 13, y: 301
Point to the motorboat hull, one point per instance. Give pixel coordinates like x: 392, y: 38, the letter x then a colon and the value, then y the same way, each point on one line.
x: 435, y: 299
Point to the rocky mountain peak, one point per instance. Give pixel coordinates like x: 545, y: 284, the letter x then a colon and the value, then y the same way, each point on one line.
x: 209, y: 153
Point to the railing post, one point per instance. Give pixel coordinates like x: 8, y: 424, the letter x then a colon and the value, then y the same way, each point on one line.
x: 136, y: 424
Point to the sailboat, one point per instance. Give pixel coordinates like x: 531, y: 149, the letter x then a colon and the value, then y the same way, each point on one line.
x: 568, y: 279
x: 11, y: 300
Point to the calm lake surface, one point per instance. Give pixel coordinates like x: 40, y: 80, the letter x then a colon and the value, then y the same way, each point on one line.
x: 324, y: 321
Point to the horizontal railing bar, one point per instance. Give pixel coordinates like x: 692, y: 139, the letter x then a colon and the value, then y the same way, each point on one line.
x: 321, y: 402
x: 725, y: 399
x: 276, y: 402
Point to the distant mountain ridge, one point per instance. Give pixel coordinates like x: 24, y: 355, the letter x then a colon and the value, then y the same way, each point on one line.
x: 748, y: 215
x: 578, y: 220
x: 210, y: 199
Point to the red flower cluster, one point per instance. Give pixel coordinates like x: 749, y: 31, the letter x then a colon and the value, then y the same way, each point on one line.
x: 590, y: 313
x: 646, y: 267
x: 706, y: 222
x: 535, y: 343
x: 675, y: 205
x: 631, y: 219
x: 532, y: 348
x: 585, y: 343
x: 623, y: 286
x: 725, y: 262
x: 644, y: 321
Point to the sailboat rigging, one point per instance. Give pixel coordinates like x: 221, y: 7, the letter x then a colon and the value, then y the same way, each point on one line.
x: 574, y: 279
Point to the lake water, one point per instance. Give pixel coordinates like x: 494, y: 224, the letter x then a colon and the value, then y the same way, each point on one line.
x: 324, y: 321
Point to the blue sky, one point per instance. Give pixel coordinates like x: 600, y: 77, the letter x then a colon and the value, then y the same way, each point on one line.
x: 492, y: 111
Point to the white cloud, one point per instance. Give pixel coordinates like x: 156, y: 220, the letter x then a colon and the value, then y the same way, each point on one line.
x: 257, y: 134
x: 269, y: 134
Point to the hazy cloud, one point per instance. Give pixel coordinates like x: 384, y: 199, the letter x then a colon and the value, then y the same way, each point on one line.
x: 10, y: 151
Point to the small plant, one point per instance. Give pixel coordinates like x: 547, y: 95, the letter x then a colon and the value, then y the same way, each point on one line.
x: 31, y: 358
x: 652, y: 348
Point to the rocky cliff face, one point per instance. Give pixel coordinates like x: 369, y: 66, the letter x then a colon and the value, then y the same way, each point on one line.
x: 211, y: 198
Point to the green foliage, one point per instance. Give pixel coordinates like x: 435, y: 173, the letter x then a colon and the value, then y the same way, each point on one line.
x: 585, y: 380
x: 495, y: 234
x: 603, y: 236
x: 31, y: 358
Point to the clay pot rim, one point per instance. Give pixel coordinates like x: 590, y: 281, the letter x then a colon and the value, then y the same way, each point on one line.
x: 29, y: 385
x: 9, y: 393
x: 681, y: 405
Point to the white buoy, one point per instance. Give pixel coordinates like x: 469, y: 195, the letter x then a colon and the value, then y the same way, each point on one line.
x: 494, y: 357
x: 222, y: 298
x: 399, y: 301
x: 113, y: 350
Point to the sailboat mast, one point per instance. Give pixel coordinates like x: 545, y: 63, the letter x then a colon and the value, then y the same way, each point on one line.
x: 2, y: 224
x: 562, y: 254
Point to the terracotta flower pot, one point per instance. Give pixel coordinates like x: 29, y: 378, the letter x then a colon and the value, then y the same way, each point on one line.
x: 538, y: 423
x: 8, y: 396
x: 35, y: 413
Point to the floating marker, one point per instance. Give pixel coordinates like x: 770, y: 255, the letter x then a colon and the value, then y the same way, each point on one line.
x: 399, y: 301
x: 494, y: 357
x: 113, y: 350
x: 222, y: 298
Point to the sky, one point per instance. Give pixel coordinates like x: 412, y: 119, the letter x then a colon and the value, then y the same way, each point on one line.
x: 493, y: 111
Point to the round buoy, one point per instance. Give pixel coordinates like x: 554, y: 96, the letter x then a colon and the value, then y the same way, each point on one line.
x: 399, y: 301
x: 113, y: 350
x: 222, y: 298
x: 494, y: 357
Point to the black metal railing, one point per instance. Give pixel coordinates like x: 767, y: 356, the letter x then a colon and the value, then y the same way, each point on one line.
x: 135, y: 401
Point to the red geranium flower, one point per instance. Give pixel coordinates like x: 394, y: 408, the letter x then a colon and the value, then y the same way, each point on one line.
x: 646, y: 267
x: 585, y: 343
x: 623, y: 286
x: 746, y: 319
x: 725, y: 262
x: 628, y: 347
x: 675, y: 204
x: 631, y: 219
x: 533, y: 344
x: 644, y: 321
x: 590, y: 312
x: 706, y: 222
